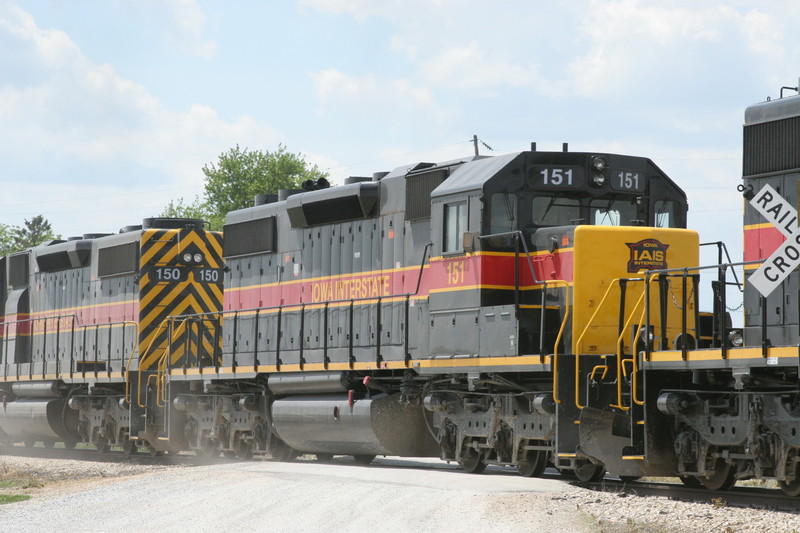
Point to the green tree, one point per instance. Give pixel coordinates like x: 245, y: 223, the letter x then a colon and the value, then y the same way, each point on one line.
x: 178, y: 209
x: 238, y: 176
x: 34, y: 232
x: 7, y: 239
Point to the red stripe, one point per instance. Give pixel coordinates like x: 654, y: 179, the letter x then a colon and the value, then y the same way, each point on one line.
x: 442, y: 274
x: 62, y: 320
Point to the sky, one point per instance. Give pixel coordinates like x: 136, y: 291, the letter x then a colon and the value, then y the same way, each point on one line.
x: 109, y: 109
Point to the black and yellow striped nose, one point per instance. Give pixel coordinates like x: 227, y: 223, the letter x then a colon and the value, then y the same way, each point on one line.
x: 180, y: 273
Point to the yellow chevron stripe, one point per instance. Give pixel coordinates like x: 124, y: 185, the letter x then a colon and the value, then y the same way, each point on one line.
x: 153, y: 244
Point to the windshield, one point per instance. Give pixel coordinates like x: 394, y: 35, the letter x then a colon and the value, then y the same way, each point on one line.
x: 556, y: 211
x: 613, y: 212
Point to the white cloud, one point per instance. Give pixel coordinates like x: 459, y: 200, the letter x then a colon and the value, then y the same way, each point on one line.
x: 335, y: 88
x: 631, y: 42
x: 188, y: 28
x: 70, y: 112
x: 471, y: 67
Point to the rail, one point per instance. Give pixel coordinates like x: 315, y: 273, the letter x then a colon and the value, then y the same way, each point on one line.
x: 64, y: 336
x: 625, y: 320
x: 519, y: 238
x: 721, y: 329
x: 279, y: 311
x: 621, y: 363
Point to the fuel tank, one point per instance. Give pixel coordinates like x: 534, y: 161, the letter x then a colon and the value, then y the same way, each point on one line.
x: 39, y: 419
x: 381, y: 425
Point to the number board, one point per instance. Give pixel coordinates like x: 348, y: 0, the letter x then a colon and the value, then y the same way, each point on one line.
x: 164, y: 274
x: 208, y: 275
x: 557, y: 176
x: 161, y: 274
x: 627, y: 180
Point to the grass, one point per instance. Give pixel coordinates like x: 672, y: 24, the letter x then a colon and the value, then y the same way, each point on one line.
x: 12, y: 482
x: 13, y: 498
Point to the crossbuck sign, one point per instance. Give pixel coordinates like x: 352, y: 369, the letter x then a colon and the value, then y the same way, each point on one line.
x: 786, y: 258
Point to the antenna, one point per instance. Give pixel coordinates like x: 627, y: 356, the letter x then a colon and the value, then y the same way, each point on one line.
x: 475, y: 142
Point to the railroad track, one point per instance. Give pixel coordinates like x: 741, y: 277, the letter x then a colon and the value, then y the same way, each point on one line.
x: 112, y: 456
x: 745, y: 497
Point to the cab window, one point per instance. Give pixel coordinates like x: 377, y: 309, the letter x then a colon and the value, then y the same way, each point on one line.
x: 502, y: 213
x: 666, y: 214
x: 556, y: 211
x: 613, y: 212
x: 455, y: 224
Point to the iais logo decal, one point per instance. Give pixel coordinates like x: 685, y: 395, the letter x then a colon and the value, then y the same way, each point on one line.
x: 647, y: 254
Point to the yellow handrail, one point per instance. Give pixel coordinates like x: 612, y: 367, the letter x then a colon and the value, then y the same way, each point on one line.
x: 620, y: 366
x: 128, y: 367
x: 635, y: 369
x: 598, y: 367
x: 568, y: 306
x: 580, y: 340
x: 162, y: 364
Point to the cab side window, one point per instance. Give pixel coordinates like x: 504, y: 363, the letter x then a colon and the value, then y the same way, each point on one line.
x: 455, y: 224
x: 666, y: 214
x: 502, y: 213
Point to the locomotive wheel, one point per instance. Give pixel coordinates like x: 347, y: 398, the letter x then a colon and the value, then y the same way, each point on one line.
x: 790, y: 488
x: 589, y: 472
x: 244, y: 450
x: 690, y: 481
x: 531, y: 463
x: 208, y: 450
x: 30, y: 443
x: 324, y: 457
x: 472, y: 461
x: 129, y: 447
x: 282, y: 452
x: 724, y: 477
x: 363, y: 459
x: 102, y: 445
x: 70, y: 444
x: 48, y: 444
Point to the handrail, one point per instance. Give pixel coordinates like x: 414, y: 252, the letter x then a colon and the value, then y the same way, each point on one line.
x: 141, y: 355
x: 620, y: 366
x: 580, y: 340
x: 627, y: 323
x: 374, y: 299
x: 567, y: 307
x: 75, y: 327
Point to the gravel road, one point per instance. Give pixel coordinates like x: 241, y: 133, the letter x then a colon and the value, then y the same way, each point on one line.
x: 390, y: 495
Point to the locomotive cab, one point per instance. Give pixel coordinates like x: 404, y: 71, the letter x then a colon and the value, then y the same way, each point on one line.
x: 494, y: 249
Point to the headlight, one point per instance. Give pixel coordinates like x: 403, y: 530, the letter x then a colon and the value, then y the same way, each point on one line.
x: 599, y: 163
x: 187, y: 257
x: 198, y: 258
x: 599, y: 180
x: 735, y: 338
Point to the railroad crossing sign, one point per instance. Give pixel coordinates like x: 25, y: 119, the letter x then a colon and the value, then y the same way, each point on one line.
x: 786, y: 258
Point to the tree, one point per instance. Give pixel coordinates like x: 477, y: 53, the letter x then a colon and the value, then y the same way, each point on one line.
x: 35, y: 231
x: 238, y: 176
x: 7, y: 239
x: 16, y: 239
x: 178, y: 209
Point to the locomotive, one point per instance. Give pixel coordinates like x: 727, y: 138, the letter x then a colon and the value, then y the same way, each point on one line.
x: 532, y: 309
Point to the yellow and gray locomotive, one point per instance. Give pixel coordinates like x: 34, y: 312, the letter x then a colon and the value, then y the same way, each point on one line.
x: 87, y: 328
x: 432, y: 310
x: 532, y: 309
